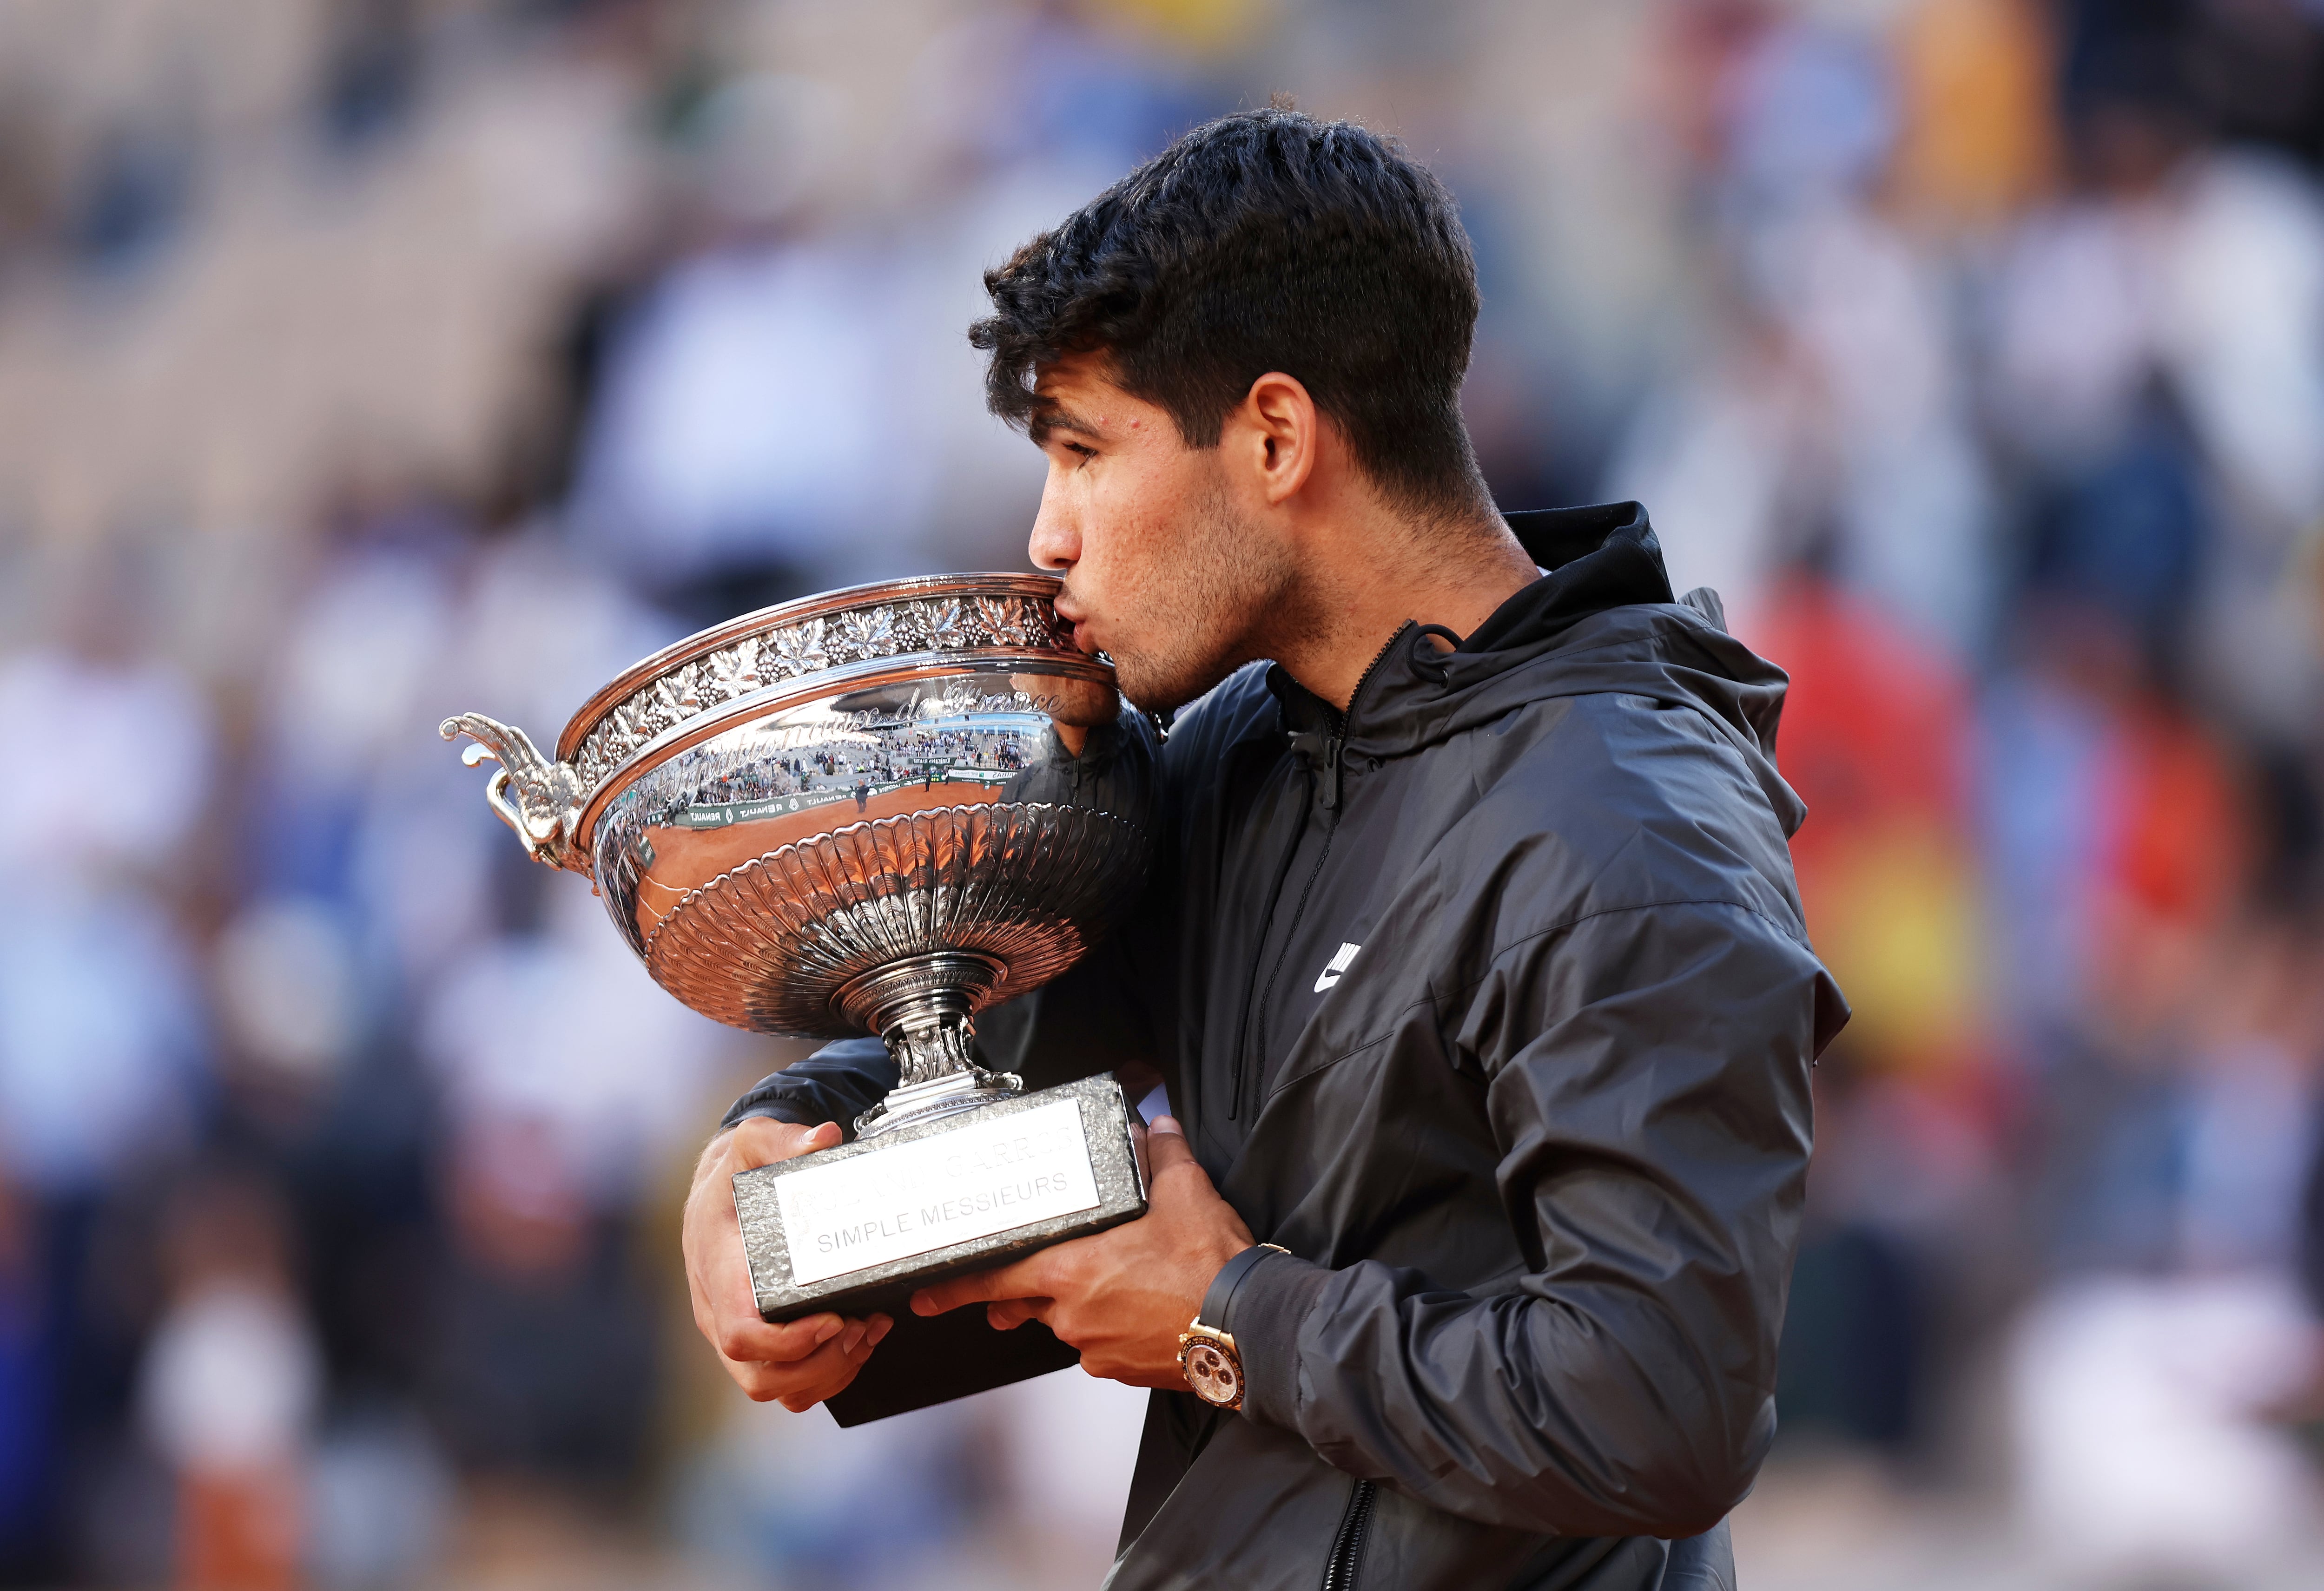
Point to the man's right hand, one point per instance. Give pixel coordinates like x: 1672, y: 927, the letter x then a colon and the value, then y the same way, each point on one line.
x: 801, y: 1362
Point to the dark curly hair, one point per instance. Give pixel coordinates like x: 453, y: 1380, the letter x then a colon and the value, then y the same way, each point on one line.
x: 1265, y: 240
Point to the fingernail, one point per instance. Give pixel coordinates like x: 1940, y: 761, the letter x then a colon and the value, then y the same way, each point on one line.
x: 853, y: 1339
x: 827, y: 1328
x: 1167, y: 1124
x: 880, y: 1327
x: 922, y: 1304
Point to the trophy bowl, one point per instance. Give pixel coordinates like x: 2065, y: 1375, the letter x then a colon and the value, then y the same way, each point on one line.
x: 880, y: 809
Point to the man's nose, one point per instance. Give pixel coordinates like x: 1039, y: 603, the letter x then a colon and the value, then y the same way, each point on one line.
x: 1056, y: 542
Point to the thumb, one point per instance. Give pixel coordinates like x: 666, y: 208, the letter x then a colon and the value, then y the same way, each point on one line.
x: 762, y: 1141
x: 1167, y: 1150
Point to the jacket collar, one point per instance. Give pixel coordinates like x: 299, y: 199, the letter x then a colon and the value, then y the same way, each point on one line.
x: 1598, y: 558
x: 1601, y: 556
x: 1600, y: 620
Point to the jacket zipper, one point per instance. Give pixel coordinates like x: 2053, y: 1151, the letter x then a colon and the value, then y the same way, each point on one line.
x: 1323, y: 855
x: 1347, y: 1560
x: 1328, y: 778
x: 1250, y: 982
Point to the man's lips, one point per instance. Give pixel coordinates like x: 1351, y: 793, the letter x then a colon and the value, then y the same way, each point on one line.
x: 1084, y: 636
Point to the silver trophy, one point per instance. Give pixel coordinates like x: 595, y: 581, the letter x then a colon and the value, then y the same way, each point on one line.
x: 881, y: 809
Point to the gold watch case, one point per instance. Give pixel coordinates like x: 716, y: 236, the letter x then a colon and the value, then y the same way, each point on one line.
x: 1211, y: 1366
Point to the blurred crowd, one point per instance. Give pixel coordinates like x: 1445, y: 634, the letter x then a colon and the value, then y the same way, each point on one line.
x: 364, y: 362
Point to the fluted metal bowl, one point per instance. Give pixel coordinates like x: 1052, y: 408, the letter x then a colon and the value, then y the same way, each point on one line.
x: 884, y: 808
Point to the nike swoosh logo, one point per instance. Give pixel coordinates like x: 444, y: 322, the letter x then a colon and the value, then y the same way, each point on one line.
x: 1337, y: 968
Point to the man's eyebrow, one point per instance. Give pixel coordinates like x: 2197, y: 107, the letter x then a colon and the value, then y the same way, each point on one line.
x: 1051, y: 417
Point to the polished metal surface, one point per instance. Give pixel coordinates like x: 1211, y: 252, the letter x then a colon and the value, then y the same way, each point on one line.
x: 882, y: 809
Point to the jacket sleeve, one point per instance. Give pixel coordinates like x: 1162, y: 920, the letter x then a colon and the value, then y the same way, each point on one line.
x: 838, y: 1082
x: 1646, y: 1080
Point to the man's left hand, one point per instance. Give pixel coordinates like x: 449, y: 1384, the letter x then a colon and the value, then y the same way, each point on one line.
x: 1123, y: 1296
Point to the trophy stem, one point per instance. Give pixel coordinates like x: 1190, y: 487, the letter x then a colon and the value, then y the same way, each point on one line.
x: 925, y: 1007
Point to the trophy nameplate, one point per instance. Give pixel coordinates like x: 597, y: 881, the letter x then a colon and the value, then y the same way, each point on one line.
x: 860, y: 1228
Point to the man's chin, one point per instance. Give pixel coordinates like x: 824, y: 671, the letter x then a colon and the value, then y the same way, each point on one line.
x: 1166, y: 687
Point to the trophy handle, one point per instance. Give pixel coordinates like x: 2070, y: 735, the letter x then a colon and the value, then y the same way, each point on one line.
x: 538, y: 798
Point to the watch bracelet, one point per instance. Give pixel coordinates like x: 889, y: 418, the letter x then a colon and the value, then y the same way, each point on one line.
x: 1217, y: 1337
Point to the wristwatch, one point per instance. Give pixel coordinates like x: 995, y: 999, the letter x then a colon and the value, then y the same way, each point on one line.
x: 1206, y: 1353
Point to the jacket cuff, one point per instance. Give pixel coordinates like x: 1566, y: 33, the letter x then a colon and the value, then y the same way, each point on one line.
x: 747, y: 1107
x: 1268, y: 1308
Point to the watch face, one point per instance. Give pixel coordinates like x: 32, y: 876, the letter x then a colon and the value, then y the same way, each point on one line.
x: 1216, y: 1377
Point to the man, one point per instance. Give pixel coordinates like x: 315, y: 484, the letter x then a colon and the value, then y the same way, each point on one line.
x: 1472, y: 961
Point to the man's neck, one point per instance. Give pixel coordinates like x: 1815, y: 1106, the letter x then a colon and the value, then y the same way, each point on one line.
x: 1369, y: 581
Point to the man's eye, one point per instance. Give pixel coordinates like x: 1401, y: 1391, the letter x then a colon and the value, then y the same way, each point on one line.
x: 1080, y: 451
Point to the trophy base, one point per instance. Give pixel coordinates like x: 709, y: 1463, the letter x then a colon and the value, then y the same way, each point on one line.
x: 859, y: 1228
x: 929, y: 1359
x: 945, y: 1096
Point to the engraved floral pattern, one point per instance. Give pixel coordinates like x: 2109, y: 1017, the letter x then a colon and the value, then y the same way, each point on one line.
x: 1004, y: 618
x: 660, y: 709
x: 798, y: 649
x: 735, y: 669
x: 943, y: 625
x: 866, y: 634
x: 870, y: 632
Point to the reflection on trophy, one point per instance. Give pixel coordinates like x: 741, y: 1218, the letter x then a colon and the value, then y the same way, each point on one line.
x: 883, y: 808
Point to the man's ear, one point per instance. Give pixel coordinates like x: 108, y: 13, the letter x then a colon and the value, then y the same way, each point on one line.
x: 1276, y: 432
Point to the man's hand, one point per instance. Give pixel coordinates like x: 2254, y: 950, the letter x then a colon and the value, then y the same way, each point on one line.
x: 801, y: 1362
x: 1123, y: 1296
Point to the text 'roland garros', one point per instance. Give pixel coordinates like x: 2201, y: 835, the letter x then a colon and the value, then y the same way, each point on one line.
x: 900, y: 1200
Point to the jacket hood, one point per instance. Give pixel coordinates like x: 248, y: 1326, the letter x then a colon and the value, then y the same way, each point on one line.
x: 1601, y: 619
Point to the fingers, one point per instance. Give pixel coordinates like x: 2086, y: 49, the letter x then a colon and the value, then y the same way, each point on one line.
x: 1180, y: 1189
x: 720, y: 1279
x: 762, y: 1141
x: 750, y: 1340
x: 1011, y: 1313
x: 1026, y: 1279
x: 1167, y: 1151
x: 801, y: 1385
x: 800, y: 1362
x: 736, y: 1329
x: 726, y: 1305
x: 854, y: 1350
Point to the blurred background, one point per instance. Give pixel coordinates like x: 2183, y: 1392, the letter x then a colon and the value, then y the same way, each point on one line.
x: 364, y: 361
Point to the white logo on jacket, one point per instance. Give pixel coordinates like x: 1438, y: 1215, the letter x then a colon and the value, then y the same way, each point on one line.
x: 1338, y: 964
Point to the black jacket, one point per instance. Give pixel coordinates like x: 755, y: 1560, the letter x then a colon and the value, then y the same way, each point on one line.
x: 1493, y: 1004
